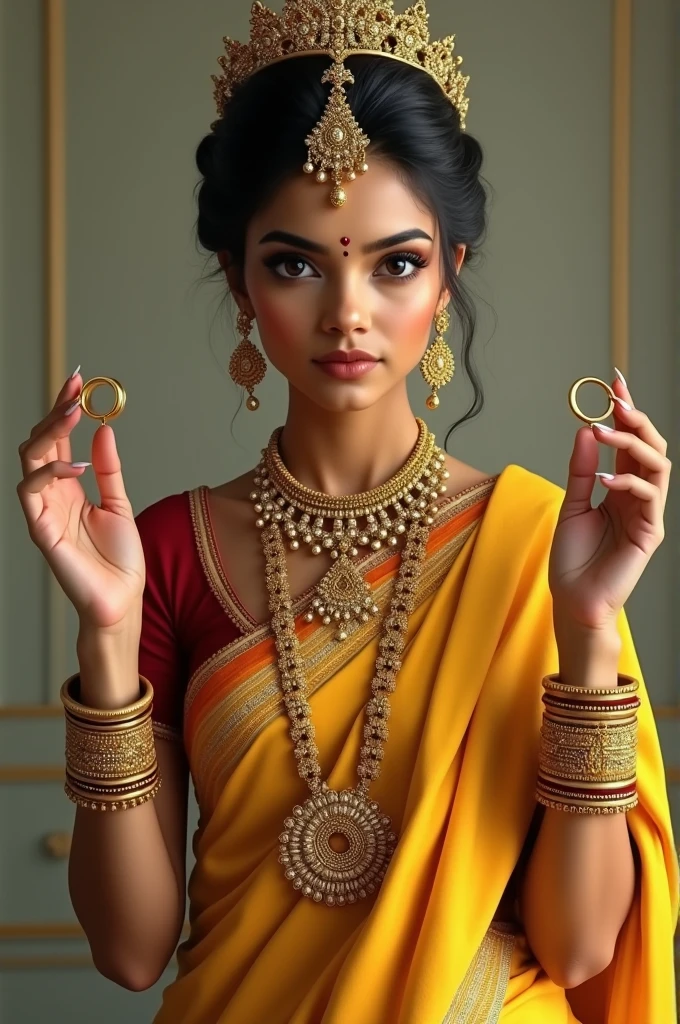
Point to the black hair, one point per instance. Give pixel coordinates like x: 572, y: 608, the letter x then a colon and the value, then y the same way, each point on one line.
x: 259, y: 143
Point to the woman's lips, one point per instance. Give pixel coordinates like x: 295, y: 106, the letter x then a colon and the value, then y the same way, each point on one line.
x: 347, y: 365
x: 348, y: 371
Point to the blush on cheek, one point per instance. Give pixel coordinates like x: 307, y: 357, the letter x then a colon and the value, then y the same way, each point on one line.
x: 411, y: 327
x: 279, y: 324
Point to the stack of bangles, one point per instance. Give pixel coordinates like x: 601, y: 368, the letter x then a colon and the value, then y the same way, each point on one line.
x: 588, y: 752
x: 111, y: 760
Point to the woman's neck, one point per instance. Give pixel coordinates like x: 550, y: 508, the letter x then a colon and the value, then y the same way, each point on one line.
x: 348, y: 452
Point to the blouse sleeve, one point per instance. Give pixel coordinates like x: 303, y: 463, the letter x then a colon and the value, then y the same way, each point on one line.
x: 161, y: 659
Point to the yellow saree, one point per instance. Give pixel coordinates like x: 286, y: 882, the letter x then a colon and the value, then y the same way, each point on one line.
x: 457, y: 780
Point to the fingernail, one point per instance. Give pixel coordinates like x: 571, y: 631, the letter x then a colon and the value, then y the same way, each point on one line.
x: 80, y: 465
x: 605, y: 476
x: 601, y: 426
x: 75, y: 372
x: 72, y: 407
x: 624, y: 405
x: 622, y: 379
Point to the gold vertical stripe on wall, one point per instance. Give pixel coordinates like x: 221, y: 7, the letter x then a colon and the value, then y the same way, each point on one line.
x: 622, y: 58
x: 55, y: 289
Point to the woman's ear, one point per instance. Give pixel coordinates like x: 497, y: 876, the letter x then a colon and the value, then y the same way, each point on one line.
x: 235, y: 281
x: 459, y: 256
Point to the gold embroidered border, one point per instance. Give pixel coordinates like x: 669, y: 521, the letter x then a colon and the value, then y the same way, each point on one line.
x: 212, y: 567
x: 480, y: 996
x: 219, y: 582
x: 257, y: 701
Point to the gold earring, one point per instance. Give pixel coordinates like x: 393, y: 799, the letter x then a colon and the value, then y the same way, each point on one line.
x: 438, y: 365
x: 247, y: 366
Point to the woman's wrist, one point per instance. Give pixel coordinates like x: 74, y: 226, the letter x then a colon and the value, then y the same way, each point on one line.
x: 109, y: 666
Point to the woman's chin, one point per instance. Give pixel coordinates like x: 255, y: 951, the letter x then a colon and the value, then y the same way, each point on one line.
x: 336, y: 396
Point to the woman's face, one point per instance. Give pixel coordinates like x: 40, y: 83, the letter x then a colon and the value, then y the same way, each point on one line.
x: 325, y: 282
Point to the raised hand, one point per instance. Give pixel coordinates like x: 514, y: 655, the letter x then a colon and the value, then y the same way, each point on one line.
x: 599, y: 554
x: 94, y: 551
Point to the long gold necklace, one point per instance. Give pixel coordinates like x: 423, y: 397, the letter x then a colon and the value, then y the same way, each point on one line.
x: 337, y: 845
x: 373, y: 518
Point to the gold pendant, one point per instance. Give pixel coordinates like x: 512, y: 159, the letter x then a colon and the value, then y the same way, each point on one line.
x: 342, y: 595
x: 336, y: 847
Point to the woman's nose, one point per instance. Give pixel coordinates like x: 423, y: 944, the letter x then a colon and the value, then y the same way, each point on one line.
x: 346, y: 313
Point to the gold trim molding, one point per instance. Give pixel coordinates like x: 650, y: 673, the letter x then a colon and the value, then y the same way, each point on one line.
x: 54, y: 44
x: 622, y: 67
x: 50, y: 930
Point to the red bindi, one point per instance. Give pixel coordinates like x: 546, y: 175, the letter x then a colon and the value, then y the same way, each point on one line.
x: 344, y: 241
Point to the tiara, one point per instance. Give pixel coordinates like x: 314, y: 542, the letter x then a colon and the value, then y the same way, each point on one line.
x: 340, y: 28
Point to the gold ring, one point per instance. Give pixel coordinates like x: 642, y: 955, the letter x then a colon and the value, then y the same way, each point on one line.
x: 574, y: 404
x: 90, y: 387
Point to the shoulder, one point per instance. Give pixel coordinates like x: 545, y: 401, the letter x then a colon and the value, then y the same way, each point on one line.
x: 163, y: 511
x: 526, y: 490
x: 165, y: 528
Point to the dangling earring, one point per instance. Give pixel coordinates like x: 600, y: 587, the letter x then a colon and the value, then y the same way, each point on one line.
x: 247, y: 366
x: 437, y: 365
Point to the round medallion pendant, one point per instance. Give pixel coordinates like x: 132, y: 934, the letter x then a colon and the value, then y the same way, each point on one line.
x: 336, y: 847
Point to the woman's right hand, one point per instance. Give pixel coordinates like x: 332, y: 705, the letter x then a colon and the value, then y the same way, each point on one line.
x: 95, y: 552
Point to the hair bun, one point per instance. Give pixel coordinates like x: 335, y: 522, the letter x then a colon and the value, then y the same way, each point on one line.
x: 473, y: 155
x: 206, y: 154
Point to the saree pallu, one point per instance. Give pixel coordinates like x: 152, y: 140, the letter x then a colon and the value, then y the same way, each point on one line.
x: 458, y: 781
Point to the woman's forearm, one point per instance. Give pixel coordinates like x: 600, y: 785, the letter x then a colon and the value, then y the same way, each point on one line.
x: 121, y: 880
x: 580, y: 878
x: 576, y: 893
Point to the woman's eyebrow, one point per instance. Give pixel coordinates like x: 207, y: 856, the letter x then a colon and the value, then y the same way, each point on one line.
x: 381, y: 243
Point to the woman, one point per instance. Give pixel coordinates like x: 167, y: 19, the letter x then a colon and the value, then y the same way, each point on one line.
x: 346, y: 869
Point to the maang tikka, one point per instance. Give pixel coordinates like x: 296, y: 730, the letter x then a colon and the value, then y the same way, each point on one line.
x: 336, y: 145
x: 438, y: 365
x: 247, y: 366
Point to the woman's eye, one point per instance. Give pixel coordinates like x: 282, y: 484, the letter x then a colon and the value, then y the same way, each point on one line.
x: 402, y: 266
x: 292, y: 263
x: 402, y: 261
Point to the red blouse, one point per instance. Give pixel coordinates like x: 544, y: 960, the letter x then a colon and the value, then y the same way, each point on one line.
x: 183, y: 623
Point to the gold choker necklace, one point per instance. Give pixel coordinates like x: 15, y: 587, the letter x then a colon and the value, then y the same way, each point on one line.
x: 356, y: 520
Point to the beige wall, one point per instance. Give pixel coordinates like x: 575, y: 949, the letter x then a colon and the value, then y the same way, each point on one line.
x: 139, y: 98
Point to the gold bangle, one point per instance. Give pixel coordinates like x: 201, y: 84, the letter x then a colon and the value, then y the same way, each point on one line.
x: 616, y: 719
x: 109, y: 782
x: 105, y: 754
x: 117, y: 805
x: 113, y: 790
x: 592, y: 785
x: 586, y: 808
x: 72, y: 705
x: 552, y: 684
x: 598, y: 799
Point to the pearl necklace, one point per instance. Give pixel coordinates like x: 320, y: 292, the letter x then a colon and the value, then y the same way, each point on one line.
x: 369, y: 519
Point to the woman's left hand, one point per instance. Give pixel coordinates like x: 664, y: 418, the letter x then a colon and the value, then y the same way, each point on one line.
x: 599, y: 554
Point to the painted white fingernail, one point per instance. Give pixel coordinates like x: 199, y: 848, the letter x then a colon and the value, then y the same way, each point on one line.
x: 601, y: 426
x: 80, y: 465
x: 75, y: 371
x: 72, y: 407
x: 624, y: 405
x: 605, y: 476
x: 621, y: 378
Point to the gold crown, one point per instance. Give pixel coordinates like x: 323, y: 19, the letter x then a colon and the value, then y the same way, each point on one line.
x: 340, y: 28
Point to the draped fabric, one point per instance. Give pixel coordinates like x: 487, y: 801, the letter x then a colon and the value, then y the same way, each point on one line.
x: 458, y: 781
